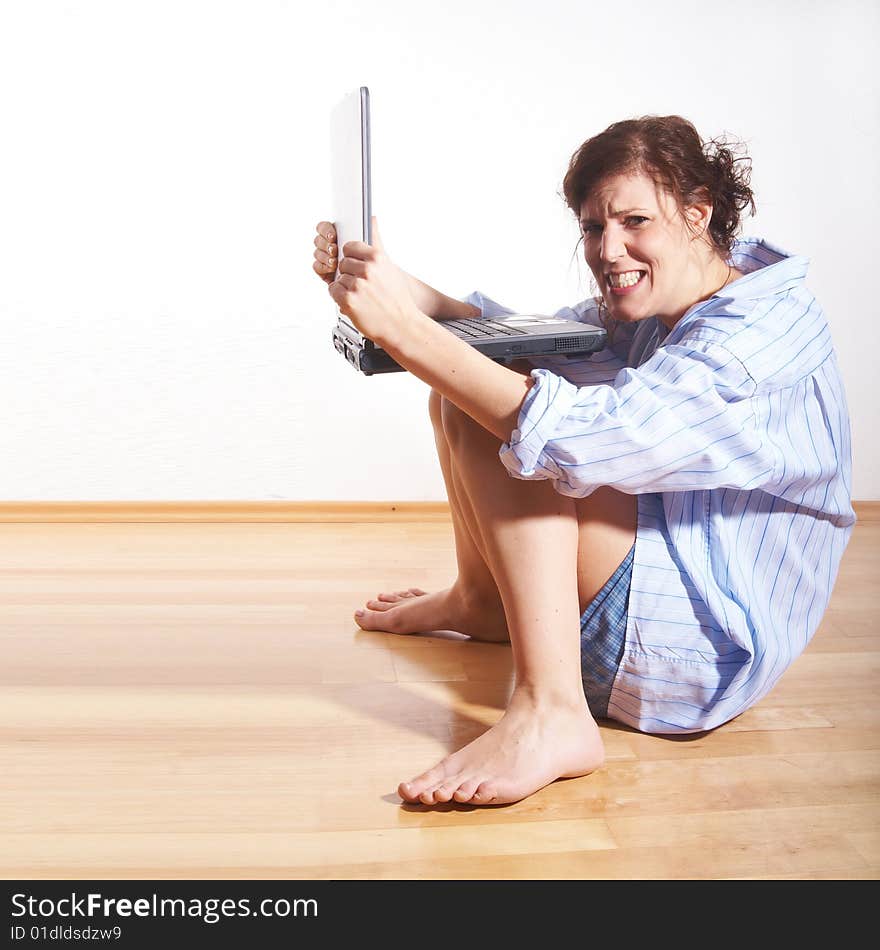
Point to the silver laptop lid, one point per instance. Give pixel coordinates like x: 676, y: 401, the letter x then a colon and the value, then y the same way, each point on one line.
x: 350, y: 167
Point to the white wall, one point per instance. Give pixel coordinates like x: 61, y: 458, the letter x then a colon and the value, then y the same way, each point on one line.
x: 162, y: 165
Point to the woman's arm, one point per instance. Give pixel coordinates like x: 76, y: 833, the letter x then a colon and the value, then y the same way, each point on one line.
x: 437, y: 305
x: 426, y: 298
x: 488, y: 392
x: 682, y: 421
x: 378, y: 298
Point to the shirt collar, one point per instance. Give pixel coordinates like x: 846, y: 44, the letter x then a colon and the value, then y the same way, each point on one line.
x: 767, y: 270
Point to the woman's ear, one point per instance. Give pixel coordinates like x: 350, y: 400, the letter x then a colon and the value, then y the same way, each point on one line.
x: 698, y: 215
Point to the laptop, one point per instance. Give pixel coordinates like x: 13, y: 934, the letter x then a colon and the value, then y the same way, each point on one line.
x: 503, y: 339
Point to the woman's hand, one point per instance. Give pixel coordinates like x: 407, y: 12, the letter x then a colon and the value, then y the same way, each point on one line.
x: 326, y: 252
x: 426, y: 298
x: 372, y: 291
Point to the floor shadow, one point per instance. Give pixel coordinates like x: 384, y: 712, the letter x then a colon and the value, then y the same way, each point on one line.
x: 487, y: 664
x: 419, y: 808
x: 443, y: 720
x: 614, y: 726
x: 489, y: 680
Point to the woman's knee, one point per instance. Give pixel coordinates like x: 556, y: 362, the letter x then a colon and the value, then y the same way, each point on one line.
x: 435, y: 409
x: 448, y: 420
x: 458, y: 427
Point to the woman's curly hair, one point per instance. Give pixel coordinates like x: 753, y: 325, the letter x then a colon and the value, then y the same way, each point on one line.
x: 670, y: 151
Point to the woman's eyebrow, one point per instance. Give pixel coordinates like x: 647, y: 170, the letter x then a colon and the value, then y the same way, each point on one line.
x: 614, y: 214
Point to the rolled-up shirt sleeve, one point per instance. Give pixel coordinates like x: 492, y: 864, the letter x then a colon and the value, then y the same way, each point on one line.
x: 682, y: 421
x: 488, y: 307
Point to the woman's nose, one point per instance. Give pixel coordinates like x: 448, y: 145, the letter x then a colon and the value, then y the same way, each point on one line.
x: 612, y: 248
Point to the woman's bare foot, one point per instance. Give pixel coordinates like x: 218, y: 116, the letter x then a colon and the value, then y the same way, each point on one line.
x: 414, y: 611
x: 532, y: 745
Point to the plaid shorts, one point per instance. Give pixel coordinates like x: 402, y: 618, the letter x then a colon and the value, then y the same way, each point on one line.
x: 603, y: 633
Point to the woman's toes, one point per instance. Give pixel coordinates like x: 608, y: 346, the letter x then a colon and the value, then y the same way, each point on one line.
x: 380, y: 605
x: 375, y: 620
x: 445, y: 792
x: 361, y: 619
x: 485, y: 793
x: 465, y: 791
x: 407, y: 792
x: 412, y: 790
x: 422, y: 787
x: 395, y: 597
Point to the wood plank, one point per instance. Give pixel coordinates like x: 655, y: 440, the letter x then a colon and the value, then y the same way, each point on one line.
x: 234, y: 511
x: 194, y: 700
x: 257, y: 511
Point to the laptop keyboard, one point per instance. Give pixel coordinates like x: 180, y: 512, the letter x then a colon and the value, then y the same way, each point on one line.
x: 480, y: 329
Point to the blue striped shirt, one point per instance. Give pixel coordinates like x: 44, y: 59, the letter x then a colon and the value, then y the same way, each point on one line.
x: 732, y: 430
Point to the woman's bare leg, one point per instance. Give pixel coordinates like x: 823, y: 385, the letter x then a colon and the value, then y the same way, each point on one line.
x: 534, y: 545
x: 472, y: 605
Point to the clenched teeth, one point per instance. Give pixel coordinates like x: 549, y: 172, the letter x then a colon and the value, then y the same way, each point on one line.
x: 626, y: 279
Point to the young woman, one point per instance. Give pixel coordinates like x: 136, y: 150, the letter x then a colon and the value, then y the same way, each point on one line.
x: 680, y: 501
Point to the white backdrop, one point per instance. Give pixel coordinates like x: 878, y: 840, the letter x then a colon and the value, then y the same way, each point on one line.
x: 162, y: 166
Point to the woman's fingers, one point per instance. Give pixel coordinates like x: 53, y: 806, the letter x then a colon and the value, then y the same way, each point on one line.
x: 324, y: 271
x: 327, y: 231
x: 325, y: 257
x: 351, y: 265
x: 341, y: 288
x: 326, y: 252
x: 360, y: 250
x: 325, y: 244
x: 324, y: 265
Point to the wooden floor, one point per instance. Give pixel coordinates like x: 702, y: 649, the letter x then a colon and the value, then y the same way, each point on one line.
x: 194, y: 701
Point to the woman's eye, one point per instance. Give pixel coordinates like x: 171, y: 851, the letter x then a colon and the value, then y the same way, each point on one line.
x: 636, y: 220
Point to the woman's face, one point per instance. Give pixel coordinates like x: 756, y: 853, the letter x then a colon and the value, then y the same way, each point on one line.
x: 640, y: 249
